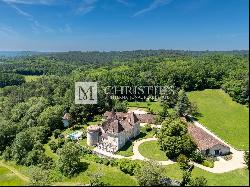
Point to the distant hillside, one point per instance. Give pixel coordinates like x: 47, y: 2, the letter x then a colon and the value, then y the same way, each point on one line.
x: 8, y: 54
x: 106, y: 57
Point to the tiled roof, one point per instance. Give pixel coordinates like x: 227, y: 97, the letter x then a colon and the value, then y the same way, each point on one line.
x: 66, y: 116
x: 143, y: 118
x: 202, y: 138
x: 118, y: 122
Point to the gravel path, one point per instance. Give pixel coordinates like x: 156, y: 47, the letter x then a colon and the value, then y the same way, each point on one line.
x: 220, y: 166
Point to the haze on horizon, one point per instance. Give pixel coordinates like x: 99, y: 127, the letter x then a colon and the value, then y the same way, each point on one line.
x: 113, y: 25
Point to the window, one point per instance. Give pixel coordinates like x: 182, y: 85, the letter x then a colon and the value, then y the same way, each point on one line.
x: 216, y: 152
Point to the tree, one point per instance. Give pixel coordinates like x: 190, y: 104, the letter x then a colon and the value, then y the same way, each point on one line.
x: 120, y: 106
x: 198, y: 181
x: 164, y: 112
x: 95, y: 180
x: 39, y: 177
x: 69, y: 159
x: 52, y: 117
x: 53, y: 146
x: 183, y: 104
x: 57, y: 132
x: 174, y: 140
x: 186, y: 177
x: 246, y: 158
x: 183, y: 162
x: 128, y: 166
x: 150, y: 174
x: 169, y: 96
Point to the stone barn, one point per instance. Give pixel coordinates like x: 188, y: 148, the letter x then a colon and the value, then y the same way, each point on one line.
x: 207, y: 144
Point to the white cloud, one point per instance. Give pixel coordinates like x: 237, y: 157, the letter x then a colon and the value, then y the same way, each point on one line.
x: 155, y: 4
x: 30, y: 2
x: 36, y: 26
x: 67, y: 29
x: 124, y: 2
x: 7, y: 31
x: 86, y: 7
x: 19, y: 11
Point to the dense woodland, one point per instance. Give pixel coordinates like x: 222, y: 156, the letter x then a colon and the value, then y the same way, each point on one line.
x: 32, y: 111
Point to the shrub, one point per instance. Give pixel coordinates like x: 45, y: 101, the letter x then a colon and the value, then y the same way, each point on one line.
x: 84, y: 134
x: 97, y: 118
x: 53, y: 146
x: 183, y: 162
x: 7, y: 154
x: 155, y: 131
x: 85, y: 150
x: 150, y: 174
x: 227, y: 157
x: 57, y: 132
x: 128, y: 166
x: 60, y: 142
x: 246, y: 158
x: 197, y: 156
x: 198, y: 181
x: 148, y: 127
x: 39, y: 177
x: 208, y: 163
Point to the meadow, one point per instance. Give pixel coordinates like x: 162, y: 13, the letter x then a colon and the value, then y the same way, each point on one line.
x: 151, y: 150
x: 223, y: 116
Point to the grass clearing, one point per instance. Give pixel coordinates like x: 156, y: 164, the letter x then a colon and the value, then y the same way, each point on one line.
x: 226, y: 118
x: 239, y: 177
x: 8, y: 178
x: 151, y: 150
x: 29, y: 78
x: 111, y: 175
x: 154, y: 107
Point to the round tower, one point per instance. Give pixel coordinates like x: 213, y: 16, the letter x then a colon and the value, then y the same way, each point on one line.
x: 93, y: 135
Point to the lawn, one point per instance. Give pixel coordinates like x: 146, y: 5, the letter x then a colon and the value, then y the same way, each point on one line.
x: 8, y: 178
x: 151, y: 150
x: 154, y: 107
x: 239, y: 177
x: 127, y: 149
x: 111, y: 175
x: 226, y: 118
x: 29, y: 78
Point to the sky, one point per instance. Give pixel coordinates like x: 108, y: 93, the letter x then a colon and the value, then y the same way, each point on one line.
x: 107, y: 25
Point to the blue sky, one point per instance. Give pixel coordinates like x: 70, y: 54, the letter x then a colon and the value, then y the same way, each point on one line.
x: 62, y: 25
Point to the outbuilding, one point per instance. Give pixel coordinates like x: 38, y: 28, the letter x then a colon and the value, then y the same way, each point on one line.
x: 207, y: 144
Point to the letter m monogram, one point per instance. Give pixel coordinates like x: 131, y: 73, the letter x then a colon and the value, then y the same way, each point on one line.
x: 86, y: 92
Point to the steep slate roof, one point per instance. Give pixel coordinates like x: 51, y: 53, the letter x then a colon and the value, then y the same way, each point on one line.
x: 146, y: 118
x: 202, y: 138
x: 143, y: 118
x: 118, y: 122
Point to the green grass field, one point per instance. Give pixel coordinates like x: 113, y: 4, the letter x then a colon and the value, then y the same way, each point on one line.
x: 127, y: 150
x: 154, y: 107
x: 238, y: 177
x: 111, y: 175
x: 151, y: 150
x: 8, y: 178
x: 226, y: 118
x: 29, y: 78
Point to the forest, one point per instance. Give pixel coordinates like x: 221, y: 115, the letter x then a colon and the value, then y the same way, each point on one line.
x: 31, y: 111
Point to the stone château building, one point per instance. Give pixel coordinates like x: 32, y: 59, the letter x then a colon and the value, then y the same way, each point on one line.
x: 115, y: 130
